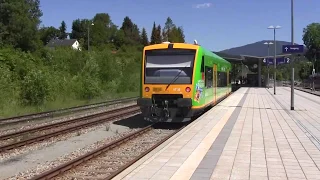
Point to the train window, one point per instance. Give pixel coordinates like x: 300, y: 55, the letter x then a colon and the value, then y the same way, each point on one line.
x: 208, y: 77
x: 162, y: 66
x: 222, y: 79
x: 202, y: 64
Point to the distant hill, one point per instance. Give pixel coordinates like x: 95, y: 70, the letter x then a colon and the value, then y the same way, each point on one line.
x: 256, y: 49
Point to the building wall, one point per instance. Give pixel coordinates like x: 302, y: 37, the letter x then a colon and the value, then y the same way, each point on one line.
x: 76, y: 45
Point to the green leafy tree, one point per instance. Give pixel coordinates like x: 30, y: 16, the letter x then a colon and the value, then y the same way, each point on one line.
x: 311, y: 38
x: 48, y: 33
x: 144, y: 37
x: 62, y: 30
x: 80, y: 30
x: 305, y: 69
x: 19, y: 21
x: 119, y: 38
x: 153, y: 34
x: 103, y: 31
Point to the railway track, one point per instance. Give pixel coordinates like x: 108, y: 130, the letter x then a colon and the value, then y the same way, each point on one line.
x: 111, y: 159
x: 15, y: 140
x: 37, y: 116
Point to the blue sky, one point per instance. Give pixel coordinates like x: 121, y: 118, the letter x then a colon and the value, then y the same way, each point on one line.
x: 215, y: 24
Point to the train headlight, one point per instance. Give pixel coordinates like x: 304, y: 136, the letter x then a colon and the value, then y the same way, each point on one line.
x: 147, y: 89
x: 188, y: 89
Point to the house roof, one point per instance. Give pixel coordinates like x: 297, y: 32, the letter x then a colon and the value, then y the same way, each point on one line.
x: 61, y: 42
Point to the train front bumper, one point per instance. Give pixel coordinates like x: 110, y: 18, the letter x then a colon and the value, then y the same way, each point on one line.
x: 180, y: 112
x: 180, y: 102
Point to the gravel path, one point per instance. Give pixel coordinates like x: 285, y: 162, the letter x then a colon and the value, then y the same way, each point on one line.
x: 42, y: 156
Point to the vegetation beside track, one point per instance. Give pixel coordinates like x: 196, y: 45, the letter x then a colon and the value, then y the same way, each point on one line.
x: 34, y: 78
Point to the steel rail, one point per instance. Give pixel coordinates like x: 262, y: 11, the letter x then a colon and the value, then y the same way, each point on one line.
x: 35, y: 116
x: 116, y: 114
x: 79, y: 160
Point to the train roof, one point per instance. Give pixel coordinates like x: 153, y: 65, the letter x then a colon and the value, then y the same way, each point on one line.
x: 186, y: 46
x: 208, y: 52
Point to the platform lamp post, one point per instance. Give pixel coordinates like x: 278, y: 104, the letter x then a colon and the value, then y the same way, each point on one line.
x: 89, y: 35
x: 292, y: 58
x: 268, y: 43
x: 275, y: 56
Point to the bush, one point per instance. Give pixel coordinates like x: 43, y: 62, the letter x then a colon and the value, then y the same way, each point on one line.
x: 64, y: 76
x: 8, y: 87
x: 34, y: 88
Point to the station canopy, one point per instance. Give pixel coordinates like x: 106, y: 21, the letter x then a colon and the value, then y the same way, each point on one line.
x: 246, y: 59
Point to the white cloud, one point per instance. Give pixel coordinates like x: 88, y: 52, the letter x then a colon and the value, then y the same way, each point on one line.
x: 203, y: 5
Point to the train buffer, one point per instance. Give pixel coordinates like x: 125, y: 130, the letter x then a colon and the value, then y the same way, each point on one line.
x: 252, y: 134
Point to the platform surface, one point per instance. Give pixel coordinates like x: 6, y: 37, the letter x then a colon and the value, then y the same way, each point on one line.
x: 252, y: 134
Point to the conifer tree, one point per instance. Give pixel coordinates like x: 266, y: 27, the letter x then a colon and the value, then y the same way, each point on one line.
x: 63, y: 28
x: 153, y: 34
x: 144, y: 37
x: 167, y: 29
x: 158, y: 35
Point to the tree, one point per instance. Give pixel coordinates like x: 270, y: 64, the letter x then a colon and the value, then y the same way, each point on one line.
x: 131, y: 32
x: 311, y: 38
x: 103, y: 31
x: 168, y: 26
x: 80, y: 30
x: 176, y: 35
x: 144, y: 37
x: 19, y: 21
x: 48, y: 33
x: 153, y: 34
x: 63, y: 28
x: 305, y: 69
x: 172, y: 33
x: 181, y: 35
x: 158, y: 38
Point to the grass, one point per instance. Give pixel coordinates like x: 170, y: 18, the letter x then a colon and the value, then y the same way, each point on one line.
x: 15, y: 110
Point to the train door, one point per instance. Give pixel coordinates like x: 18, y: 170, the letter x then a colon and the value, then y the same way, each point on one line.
x: 215, y: 83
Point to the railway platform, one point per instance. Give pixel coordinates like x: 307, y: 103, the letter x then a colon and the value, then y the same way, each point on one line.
x: 252, y: 134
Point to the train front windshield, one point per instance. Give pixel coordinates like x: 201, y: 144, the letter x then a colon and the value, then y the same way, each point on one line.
x: 163, y: 65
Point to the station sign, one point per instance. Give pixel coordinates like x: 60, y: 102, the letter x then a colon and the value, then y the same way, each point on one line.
x: 279, y: 60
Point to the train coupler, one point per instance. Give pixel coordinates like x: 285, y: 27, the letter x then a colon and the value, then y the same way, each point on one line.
x: 166, y: 110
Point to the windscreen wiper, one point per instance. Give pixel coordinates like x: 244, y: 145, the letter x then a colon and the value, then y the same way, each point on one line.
x: 175, y: 78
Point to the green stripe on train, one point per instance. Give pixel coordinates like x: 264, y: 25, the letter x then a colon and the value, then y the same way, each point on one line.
x: 202, y: 94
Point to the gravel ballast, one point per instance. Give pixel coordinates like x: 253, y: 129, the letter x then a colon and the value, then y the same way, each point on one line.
x: 40, y: 159
x: 50, y: 120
